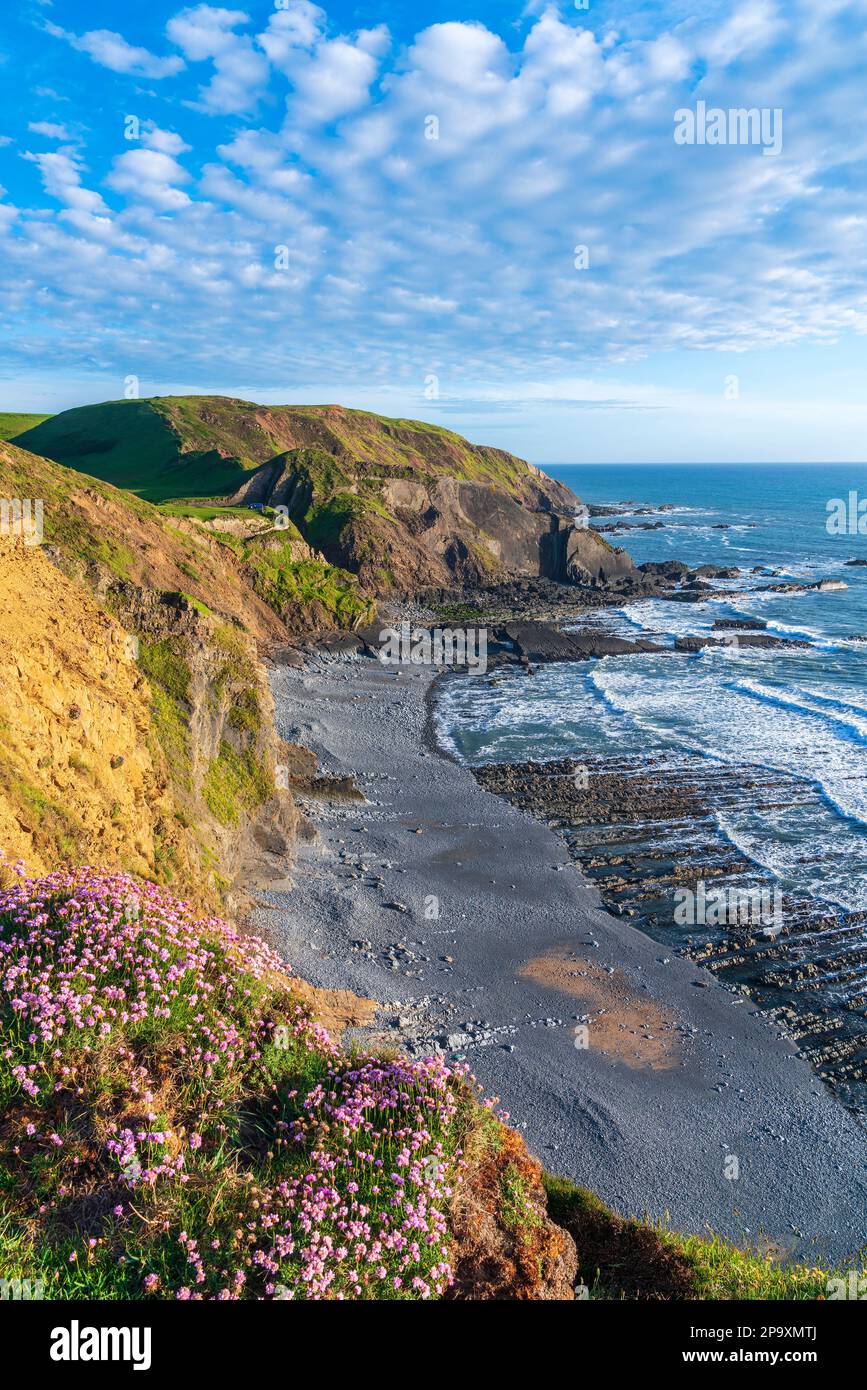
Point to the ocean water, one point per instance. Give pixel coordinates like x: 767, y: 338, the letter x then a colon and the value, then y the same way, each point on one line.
x: 802, y: 712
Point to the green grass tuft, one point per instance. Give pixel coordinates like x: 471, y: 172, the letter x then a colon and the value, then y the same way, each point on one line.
x: 286, y: 583
x: 235, y: 782
x: 622, y: 1258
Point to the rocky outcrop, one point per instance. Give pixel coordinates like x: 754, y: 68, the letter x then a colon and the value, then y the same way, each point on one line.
x: 505, y: 1245
x: 422, y: 527
x: 736, y: 639
x: 433, y: 531
x: 587, y: 559
x: 539, y: 642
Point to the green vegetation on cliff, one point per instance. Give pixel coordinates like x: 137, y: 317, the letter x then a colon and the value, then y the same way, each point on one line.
x: 12, y: 424
x: 288, y: 583
x: 171, y: 549
x: 134, y: 445
x: 206, y: 446
x: 235, y: 782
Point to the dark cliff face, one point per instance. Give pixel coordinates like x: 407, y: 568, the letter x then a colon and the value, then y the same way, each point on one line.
x: 420, y: 520
x: 426, y: 531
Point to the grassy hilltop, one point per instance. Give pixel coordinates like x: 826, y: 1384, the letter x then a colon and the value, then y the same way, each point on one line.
x: 402, y: 504
x: 12, y: 424
x: 206, y: 446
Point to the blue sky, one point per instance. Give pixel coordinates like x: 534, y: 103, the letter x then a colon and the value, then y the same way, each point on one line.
x: 282, y: 227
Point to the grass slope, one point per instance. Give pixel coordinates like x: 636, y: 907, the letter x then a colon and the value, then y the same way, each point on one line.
x: 134, y: 445
x: 205, y: 446
x: 12, y: 424
x: 256, y: 583
x: 89, y: 520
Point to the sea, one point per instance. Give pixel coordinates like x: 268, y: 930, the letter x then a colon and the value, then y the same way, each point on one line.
x: 801, y: 711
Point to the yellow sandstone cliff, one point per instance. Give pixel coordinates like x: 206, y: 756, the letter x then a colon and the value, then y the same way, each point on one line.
x: 77, y: 776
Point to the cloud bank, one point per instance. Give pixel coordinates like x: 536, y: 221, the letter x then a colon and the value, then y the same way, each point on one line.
x: 498, y: 206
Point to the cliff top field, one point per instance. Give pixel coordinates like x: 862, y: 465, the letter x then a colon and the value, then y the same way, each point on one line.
x: 12, y: 424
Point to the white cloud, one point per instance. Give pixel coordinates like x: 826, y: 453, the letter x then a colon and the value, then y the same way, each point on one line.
x: 223, y: 186
x: 564, y: 64
x: 263, y: 156
x: 336, y: 77
x: 166, y: 141
x: 49, y: 130
x: 428, y: 303
x: 460, y: 55
x: 205, y: 31
x: 61, y: 179
x: 150, y: 175
x: 299, y: 26
x: 112, y: 51
x: 240, y: 70
x: 748, y: 31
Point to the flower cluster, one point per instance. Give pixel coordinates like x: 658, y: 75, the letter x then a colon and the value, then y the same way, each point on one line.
x: 84, y: 953
x: 343, y: 1194
x: 126, y: 1150
x: 366, y: 1217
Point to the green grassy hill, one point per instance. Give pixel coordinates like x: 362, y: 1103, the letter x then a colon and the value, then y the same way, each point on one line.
x: 89, y: 521
x: 143, y: 446
x: 401, y: 503
x: 205, y: 446
x: 12, y: 423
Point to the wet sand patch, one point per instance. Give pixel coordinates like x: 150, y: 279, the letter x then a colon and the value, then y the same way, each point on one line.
x: 621, y: 1023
